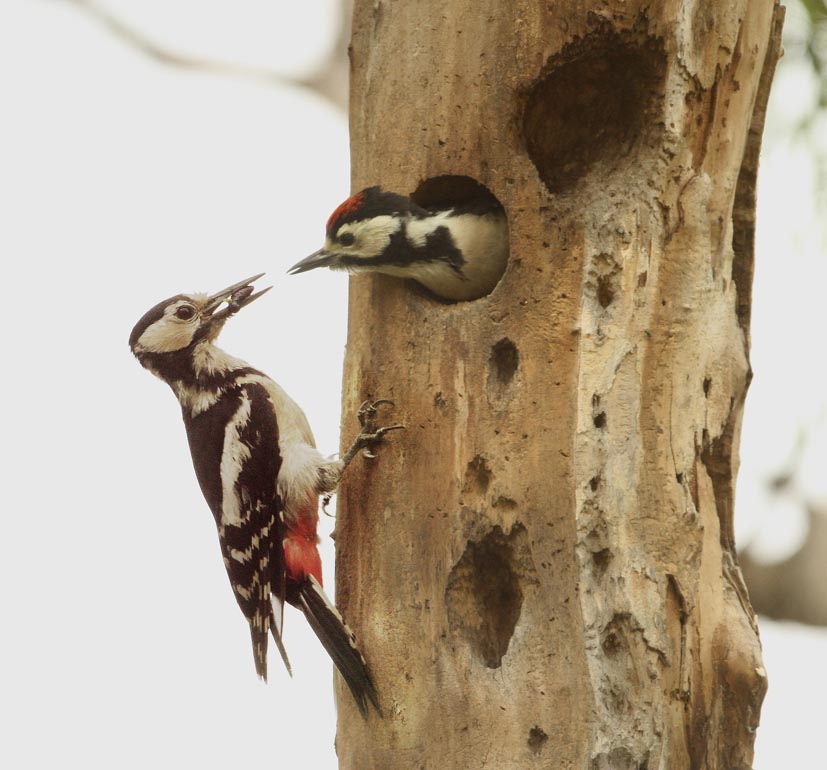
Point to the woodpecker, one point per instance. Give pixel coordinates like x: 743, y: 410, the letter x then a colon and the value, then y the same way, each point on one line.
x: 259, y: 470
x: 458, y: 252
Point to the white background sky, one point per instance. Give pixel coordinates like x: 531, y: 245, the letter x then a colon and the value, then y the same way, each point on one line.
x: 123, y: 182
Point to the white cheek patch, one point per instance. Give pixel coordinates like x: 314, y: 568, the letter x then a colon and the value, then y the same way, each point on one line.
x: 167, y: 336
x: 372, y: 236
x: 170, y: 333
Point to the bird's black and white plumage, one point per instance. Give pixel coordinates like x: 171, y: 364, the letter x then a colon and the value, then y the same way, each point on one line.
x: 458, y: 252
x: 259, y: 470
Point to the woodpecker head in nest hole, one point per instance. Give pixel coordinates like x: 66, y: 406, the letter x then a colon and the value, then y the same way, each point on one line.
x: 458, y: 252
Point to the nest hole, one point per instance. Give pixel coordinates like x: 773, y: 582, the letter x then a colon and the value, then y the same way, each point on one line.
x: 484, y: 594
x: 593, y: 107
x: 441, y: 192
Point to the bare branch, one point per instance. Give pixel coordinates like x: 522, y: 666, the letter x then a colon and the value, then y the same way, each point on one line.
x: 143, y: 43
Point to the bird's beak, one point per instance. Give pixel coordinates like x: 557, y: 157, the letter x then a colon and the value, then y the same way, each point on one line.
x: 237, y: 296
x: 320, y: 258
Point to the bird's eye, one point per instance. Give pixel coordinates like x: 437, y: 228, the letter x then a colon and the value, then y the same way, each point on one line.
x: 185, y: 312
x: 347, y: 239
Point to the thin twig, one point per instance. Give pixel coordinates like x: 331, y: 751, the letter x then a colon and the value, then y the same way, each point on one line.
x: 159, y: 53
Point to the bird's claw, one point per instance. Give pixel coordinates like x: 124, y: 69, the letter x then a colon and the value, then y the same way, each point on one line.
x: 370, y: 434
x: 368, y: 409
x: 367, y: 439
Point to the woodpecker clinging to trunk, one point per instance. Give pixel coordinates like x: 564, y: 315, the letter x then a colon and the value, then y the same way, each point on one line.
x: 259, y: 470
x: 458, y: 253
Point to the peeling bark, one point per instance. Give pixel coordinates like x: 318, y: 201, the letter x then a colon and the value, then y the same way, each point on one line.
x: 541, y: 569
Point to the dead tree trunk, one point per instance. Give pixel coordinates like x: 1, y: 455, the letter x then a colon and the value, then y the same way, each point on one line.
x: 541, y: 568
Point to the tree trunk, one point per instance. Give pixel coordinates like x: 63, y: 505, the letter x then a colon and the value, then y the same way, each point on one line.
x: 541, y: 569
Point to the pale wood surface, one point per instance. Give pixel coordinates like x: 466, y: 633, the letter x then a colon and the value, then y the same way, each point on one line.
x: 541, y: 569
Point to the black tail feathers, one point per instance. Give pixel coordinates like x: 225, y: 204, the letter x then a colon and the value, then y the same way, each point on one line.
x: 258, y: 636
x: 340, y: 643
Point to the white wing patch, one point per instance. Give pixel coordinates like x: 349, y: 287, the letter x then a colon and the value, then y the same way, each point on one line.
x: 301, y: 462
x: 293, y: 425
x: 482, y: 240
x: 418, y: 230
x: 233, y: 456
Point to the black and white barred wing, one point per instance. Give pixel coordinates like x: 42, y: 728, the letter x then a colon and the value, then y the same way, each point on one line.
x: 234, y: 446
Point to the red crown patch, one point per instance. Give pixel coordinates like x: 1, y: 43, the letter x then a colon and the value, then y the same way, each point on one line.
x: 353, y: 203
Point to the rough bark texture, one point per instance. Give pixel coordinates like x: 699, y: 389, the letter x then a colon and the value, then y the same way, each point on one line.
x: 541, y: 568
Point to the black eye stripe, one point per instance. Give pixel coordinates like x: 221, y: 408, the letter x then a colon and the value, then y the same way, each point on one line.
x: 347, y: 239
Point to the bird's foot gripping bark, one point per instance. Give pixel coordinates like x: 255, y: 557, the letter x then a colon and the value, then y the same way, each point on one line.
x: 370, y: 434
x: 368, y: 438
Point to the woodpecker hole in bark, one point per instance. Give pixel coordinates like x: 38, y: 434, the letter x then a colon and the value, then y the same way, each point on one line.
x: 619, y: 758
x: 605, y: 279
x: 605, y: 290
x: 600, y: 560
x: 592, y: 105
x: 441, y: 192
x: 537, y: 738
x: 616, y: 633
x: 477, y: 476
x: 502, y: 366
x: 484, y: 592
